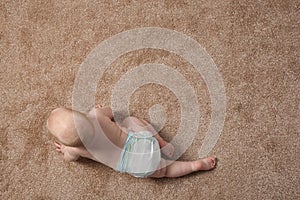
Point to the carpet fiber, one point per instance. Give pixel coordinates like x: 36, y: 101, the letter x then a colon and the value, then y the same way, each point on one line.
x: 254, y: 44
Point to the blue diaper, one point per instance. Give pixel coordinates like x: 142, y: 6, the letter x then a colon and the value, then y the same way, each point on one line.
x: 140, y: 155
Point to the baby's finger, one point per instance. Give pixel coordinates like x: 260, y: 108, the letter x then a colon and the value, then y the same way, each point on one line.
x: 56, y: 144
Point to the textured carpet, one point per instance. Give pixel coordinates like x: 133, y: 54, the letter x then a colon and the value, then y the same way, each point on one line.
x: 255, y: 46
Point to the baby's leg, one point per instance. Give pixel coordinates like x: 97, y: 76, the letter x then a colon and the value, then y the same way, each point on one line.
x: 181, y: 168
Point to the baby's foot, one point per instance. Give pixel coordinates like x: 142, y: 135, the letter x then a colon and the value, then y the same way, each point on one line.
x: 168, y: 150
x: 204, y: 164
x: 70, y: 153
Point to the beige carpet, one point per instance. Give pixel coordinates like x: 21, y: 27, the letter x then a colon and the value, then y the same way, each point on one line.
x: 254, y: 45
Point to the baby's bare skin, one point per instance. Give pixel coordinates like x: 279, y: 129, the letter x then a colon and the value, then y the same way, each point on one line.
x: 70, y: 145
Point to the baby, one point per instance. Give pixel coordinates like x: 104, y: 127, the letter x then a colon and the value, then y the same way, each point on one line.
x: 133, y: 147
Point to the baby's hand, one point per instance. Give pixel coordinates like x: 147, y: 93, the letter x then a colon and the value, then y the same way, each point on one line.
x: 168, y: 150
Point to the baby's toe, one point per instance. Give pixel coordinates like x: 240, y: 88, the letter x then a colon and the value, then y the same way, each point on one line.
x: 213, y: 161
